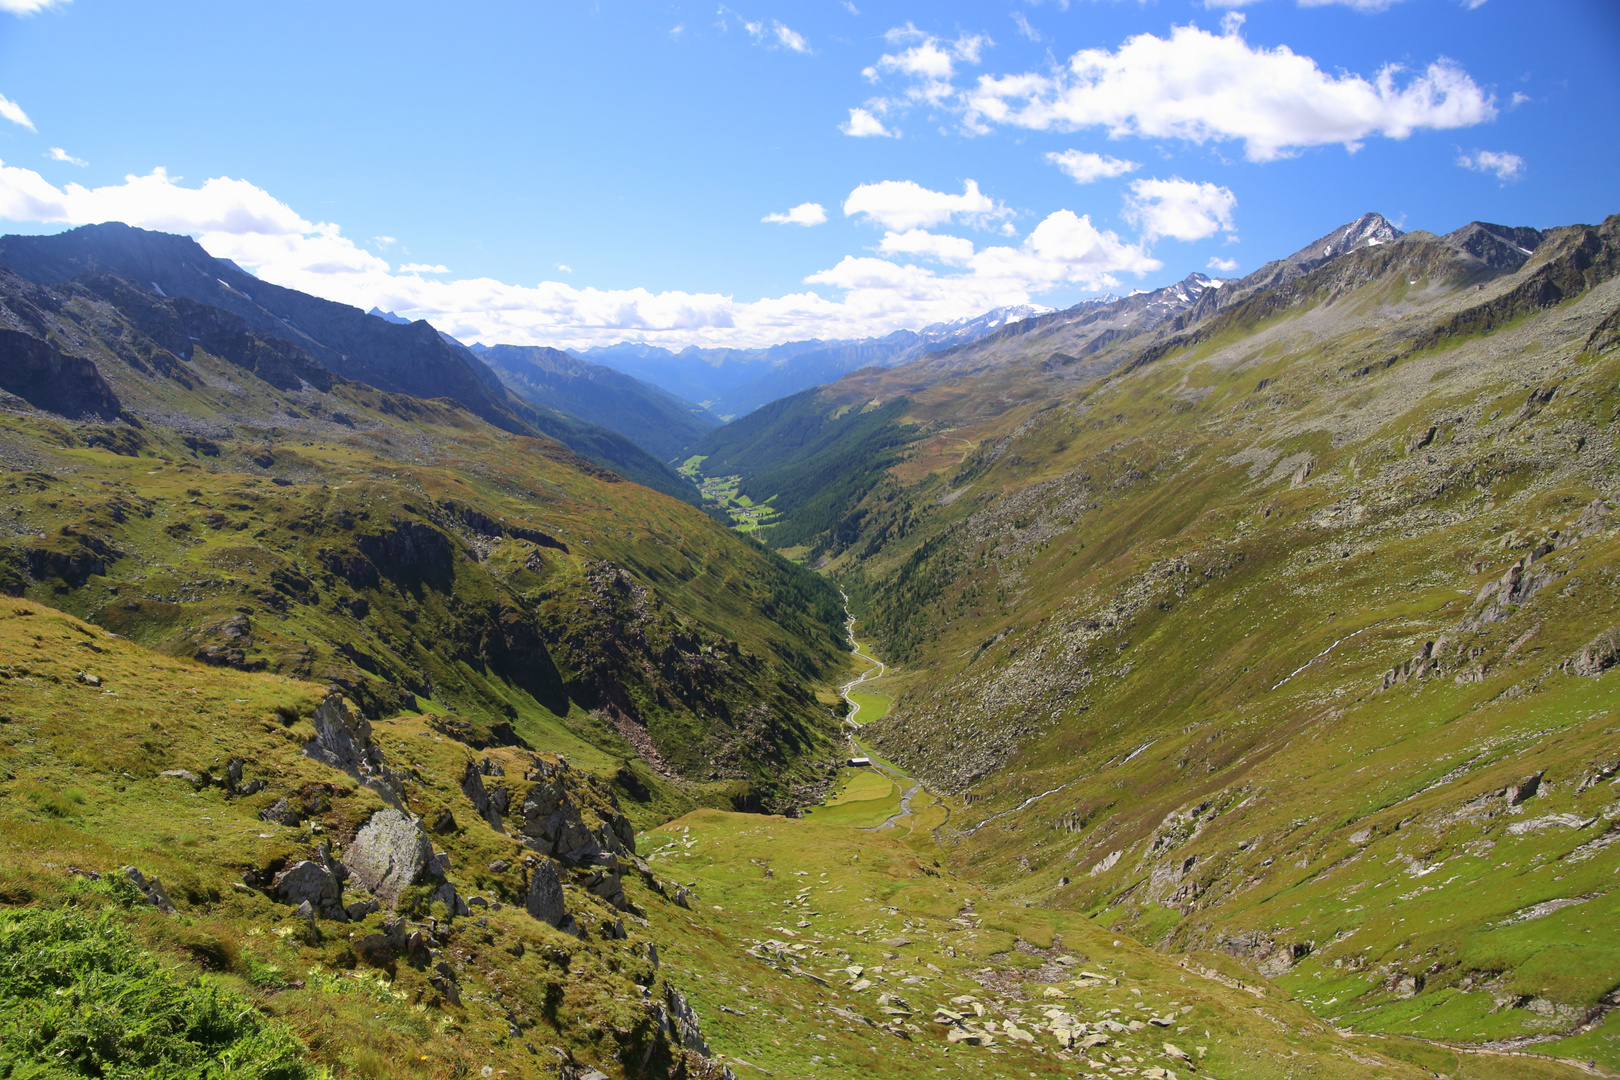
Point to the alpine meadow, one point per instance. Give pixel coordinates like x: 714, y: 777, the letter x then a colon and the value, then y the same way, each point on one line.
x: 875, y: 563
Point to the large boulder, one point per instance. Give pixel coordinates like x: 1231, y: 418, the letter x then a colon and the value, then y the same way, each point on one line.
x: 545, y: 900
x: 389, y: 855
x: 310, y: 882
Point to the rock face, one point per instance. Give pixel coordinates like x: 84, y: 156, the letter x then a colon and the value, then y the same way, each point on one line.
x: 343, y: 741
x: 310, y: 882
x: 50, y: 380
x: 491, y: 805
x: 545, y: 899
x: 682, y: 1022
x: 572, y: 815
x: 389, y: 855
x: 1599, y: 654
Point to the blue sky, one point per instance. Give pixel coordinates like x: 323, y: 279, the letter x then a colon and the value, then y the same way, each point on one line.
x: 579, y: 173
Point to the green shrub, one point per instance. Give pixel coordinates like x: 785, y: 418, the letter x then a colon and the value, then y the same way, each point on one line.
x: 79, y: 997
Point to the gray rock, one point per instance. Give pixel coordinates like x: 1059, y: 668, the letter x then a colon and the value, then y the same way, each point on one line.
x: 309, y: 882
x: 545, y: 899
x: 281, y: 812
x: 453, y: 903
x: 682, y: 897
x: 389, y: 855
x: 605, y: 880
x: 183, y: 774
x: 343, y: 741
x: 1599, y: 655
x: 683, y: 1022
x: 359, y: 909
x: 151, y: 889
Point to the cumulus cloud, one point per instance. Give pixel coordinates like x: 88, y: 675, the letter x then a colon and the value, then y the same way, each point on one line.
x: 862, y: 124
x: 806, y: 214
x: 27, y: 7
x: 951, y: 250
x: 875, y: 294
x: 929, y: 62
x: 1506, y: 167
x: 1083, y: 168
x: 56, y: 153
x: 1225, y: 266
x: 1182, y: 209
x: 900, y: 205
x: 1196, y: 86
x: 12, y: 111
x: 565, y: 268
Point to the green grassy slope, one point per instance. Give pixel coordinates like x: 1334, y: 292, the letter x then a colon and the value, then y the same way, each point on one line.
x: 1257, y: 645
x: 408, y: 552
x: 791, y: 947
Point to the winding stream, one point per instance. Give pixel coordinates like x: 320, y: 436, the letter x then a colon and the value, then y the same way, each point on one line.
x: 876, y: 671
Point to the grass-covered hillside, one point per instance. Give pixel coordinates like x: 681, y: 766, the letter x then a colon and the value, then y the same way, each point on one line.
x: 1291, y: 638
x: 249, y: 509
x: 190, y: 888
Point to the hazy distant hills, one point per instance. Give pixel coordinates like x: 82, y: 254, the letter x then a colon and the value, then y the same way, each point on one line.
x: 389, y: 354
x: 734, y: 382
x: 652, y: 418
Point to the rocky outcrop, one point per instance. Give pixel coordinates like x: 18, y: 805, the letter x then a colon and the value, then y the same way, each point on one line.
x: 343, y: 741
x: 572, y: 815
x: 1598, y: 655
x: 490, y: 804
x: 151, y: 890
x: 52, y: 381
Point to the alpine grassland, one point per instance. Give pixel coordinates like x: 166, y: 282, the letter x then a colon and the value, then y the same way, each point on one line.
x: 1235, y: 687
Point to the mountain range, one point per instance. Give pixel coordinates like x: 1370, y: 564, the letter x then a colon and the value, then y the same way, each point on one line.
x: 733, y: 382
x: 394, y: 356
x: 1214, y: 681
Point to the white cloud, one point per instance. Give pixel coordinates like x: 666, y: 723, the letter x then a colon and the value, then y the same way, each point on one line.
x: 1358, y: 5
x: 565, y: 268
x: 790, y: 39
x: 384, y: 241
x: 951, y: 250
x: 1182, y: 209
x: 1507, y: 167
x: 423, y: 268
x: 851, y: 8
x: 1083, y: 168
x: 1020, y: 21
x: 900, y: 205
x: 762, y: 32
x: 863, y: 124
x: 12, y: 111
x: 1192, y: 85
x: 1225, y: 266
x: 876, y: 295
x: 56, y: 153
x: 804, y: 214
x: 27, y: 7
